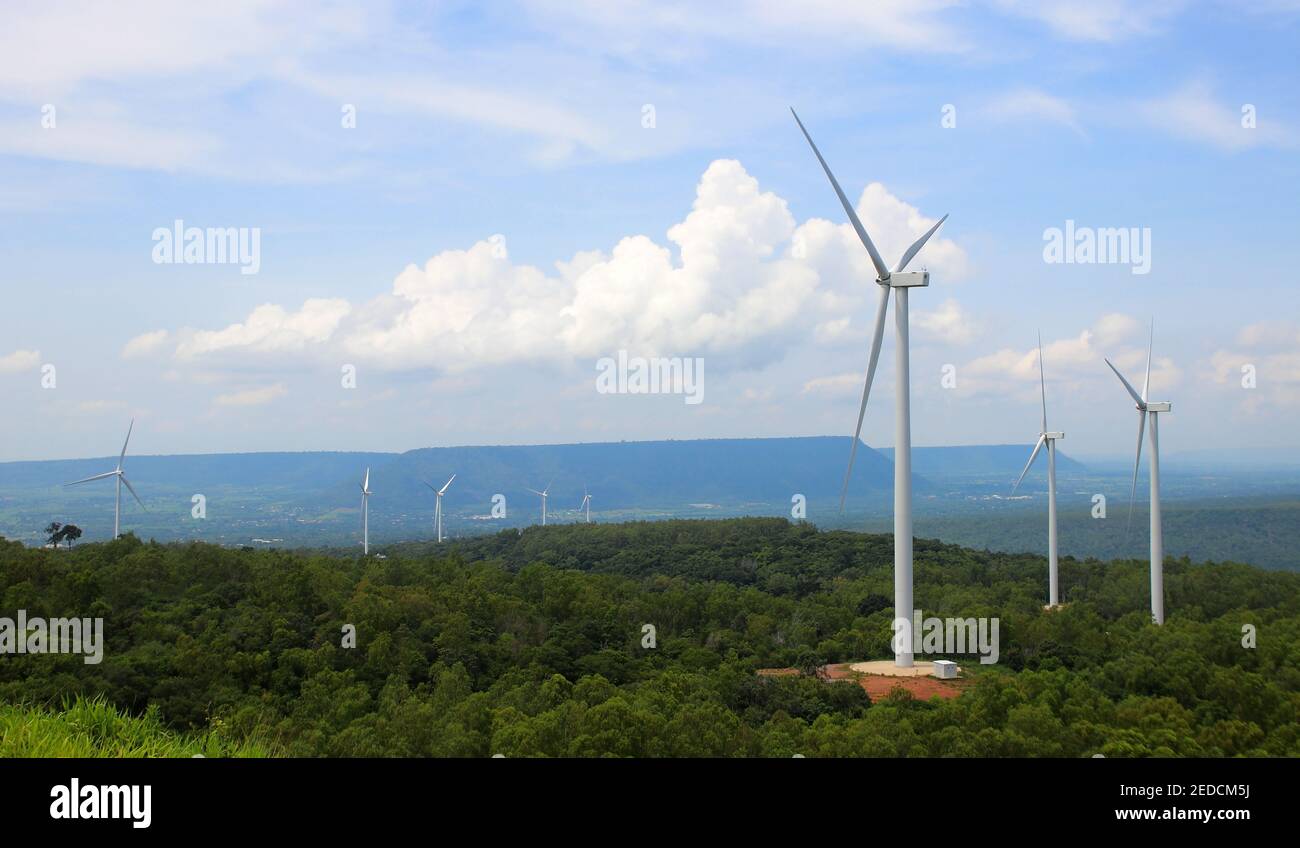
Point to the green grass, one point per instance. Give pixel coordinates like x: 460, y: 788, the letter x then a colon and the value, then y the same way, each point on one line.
x: 91, y: 727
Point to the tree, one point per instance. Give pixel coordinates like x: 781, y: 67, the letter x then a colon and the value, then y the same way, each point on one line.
x: 54, y: 533
x: 71, y: 533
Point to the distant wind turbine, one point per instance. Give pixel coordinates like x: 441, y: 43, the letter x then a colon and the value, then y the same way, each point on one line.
x: 1046, y: 437
x: 365, y: 514
x: 899, y: 282
x: 121, y: 479
x: 586, y: 503
x: 437, y: 510
x: 1151, y: 409
x: 543, y: 493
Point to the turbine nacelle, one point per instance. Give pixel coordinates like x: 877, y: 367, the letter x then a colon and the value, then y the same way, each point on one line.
x: 1162, y: 406
x: 906, y: 279
x: 1051, y: 437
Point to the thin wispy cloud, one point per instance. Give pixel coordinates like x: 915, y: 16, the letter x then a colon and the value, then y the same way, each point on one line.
x: 1195, y: 112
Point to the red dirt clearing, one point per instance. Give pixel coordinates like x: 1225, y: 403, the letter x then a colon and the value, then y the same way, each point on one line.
x: 879, y: 686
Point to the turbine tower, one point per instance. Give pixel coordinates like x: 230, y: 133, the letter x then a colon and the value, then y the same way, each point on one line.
x: 437, y: 510
x: 365, y: 514
x: 121, y: 478
x: 586, y: 503
x: 900, y: 282
x: 543, y: 493
x: 1151, y: 409
x: 1048, y: 438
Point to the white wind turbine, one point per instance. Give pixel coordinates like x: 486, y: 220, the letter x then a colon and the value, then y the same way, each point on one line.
x: 899, y: 282
x: 1152, y: 409
x: 121, y: 478
x: 586, y: 503
x: 543, y: 493
x: 365, y: 514
x: 437, y: 510
x: 1046, y: 437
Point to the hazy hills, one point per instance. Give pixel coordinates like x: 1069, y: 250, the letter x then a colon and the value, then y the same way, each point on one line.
x: 312, y: 498
x: 962, y: 495
x: 965, y: 460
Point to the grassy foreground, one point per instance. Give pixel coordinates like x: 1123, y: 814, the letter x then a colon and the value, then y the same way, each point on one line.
x: 91, y: 727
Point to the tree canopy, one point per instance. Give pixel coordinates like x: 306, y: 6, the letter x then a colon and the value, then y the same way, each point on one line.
x: 532, y: 643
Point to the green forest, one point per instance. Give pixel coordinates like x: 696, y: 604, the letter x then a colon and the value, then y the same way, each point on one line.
x: 533, y: 643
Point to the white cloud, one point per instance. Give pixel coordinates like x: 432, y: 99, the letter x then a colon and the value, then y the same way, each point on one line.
x: 1194, y: 112
x: 1269, y: 352
x: 1095, y: 20
x: 1270, y: 334
x: 835, y: 385
x: 948, y: 323
x: 1115, y: 328
x: 145, y: 344
x: 271, y: 329
x: 61, y: 45
x: 1034, y: 105
x: 659, y: 27
x: 251, y: 397
x: 741, y: 279
x: 1070, y: 360
x: 19, y: 360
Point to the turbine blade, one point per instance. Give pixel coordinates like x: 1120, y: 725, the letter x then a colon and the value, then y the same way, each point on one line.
x: 1146, y: 384
x: 1137, y: 460
x: 427, y: 483
x: 1142, y: 404
x: 366, y: 483
x: 121, y: 458
x: 1042, y: 381
x: 876, y: 339
x: 443, y: 490
x: 1037, y: 447
x: 535, y: 492
x: 131, y: 489
x: 917, y: 245
x: 88, y: 479
x: 881, y: 271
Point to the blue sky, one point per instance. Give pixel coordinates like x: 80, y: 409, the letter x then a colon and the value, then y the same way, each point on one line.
x: 493, y: 142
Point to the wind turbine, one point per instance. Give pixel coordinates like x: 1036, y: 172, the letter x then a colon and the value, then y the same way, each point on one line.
x: 121, y: 478
x: 1046, y: 437
x: 1151, y: 409
x: 437, y: 510
x: 543, y: 493
x: 586, y: 503
x: 899, y: 281
x: 365, y: 514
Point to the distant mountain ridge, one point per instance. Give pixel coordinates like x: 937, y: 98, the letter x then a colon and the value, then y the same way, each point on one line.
x: 619, y: 474
x: 314, y: 497
x: 981, y: 459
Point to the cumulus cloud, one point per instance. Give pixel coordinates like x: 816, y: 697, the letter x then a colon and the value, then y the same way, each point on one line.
x: 271, y: 329
x: 948, y: 323
x: 738, y: 276
x: 19, y: 360
x: 251, y: 397
x: 1264, y: 365
x: 1070, y: 359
